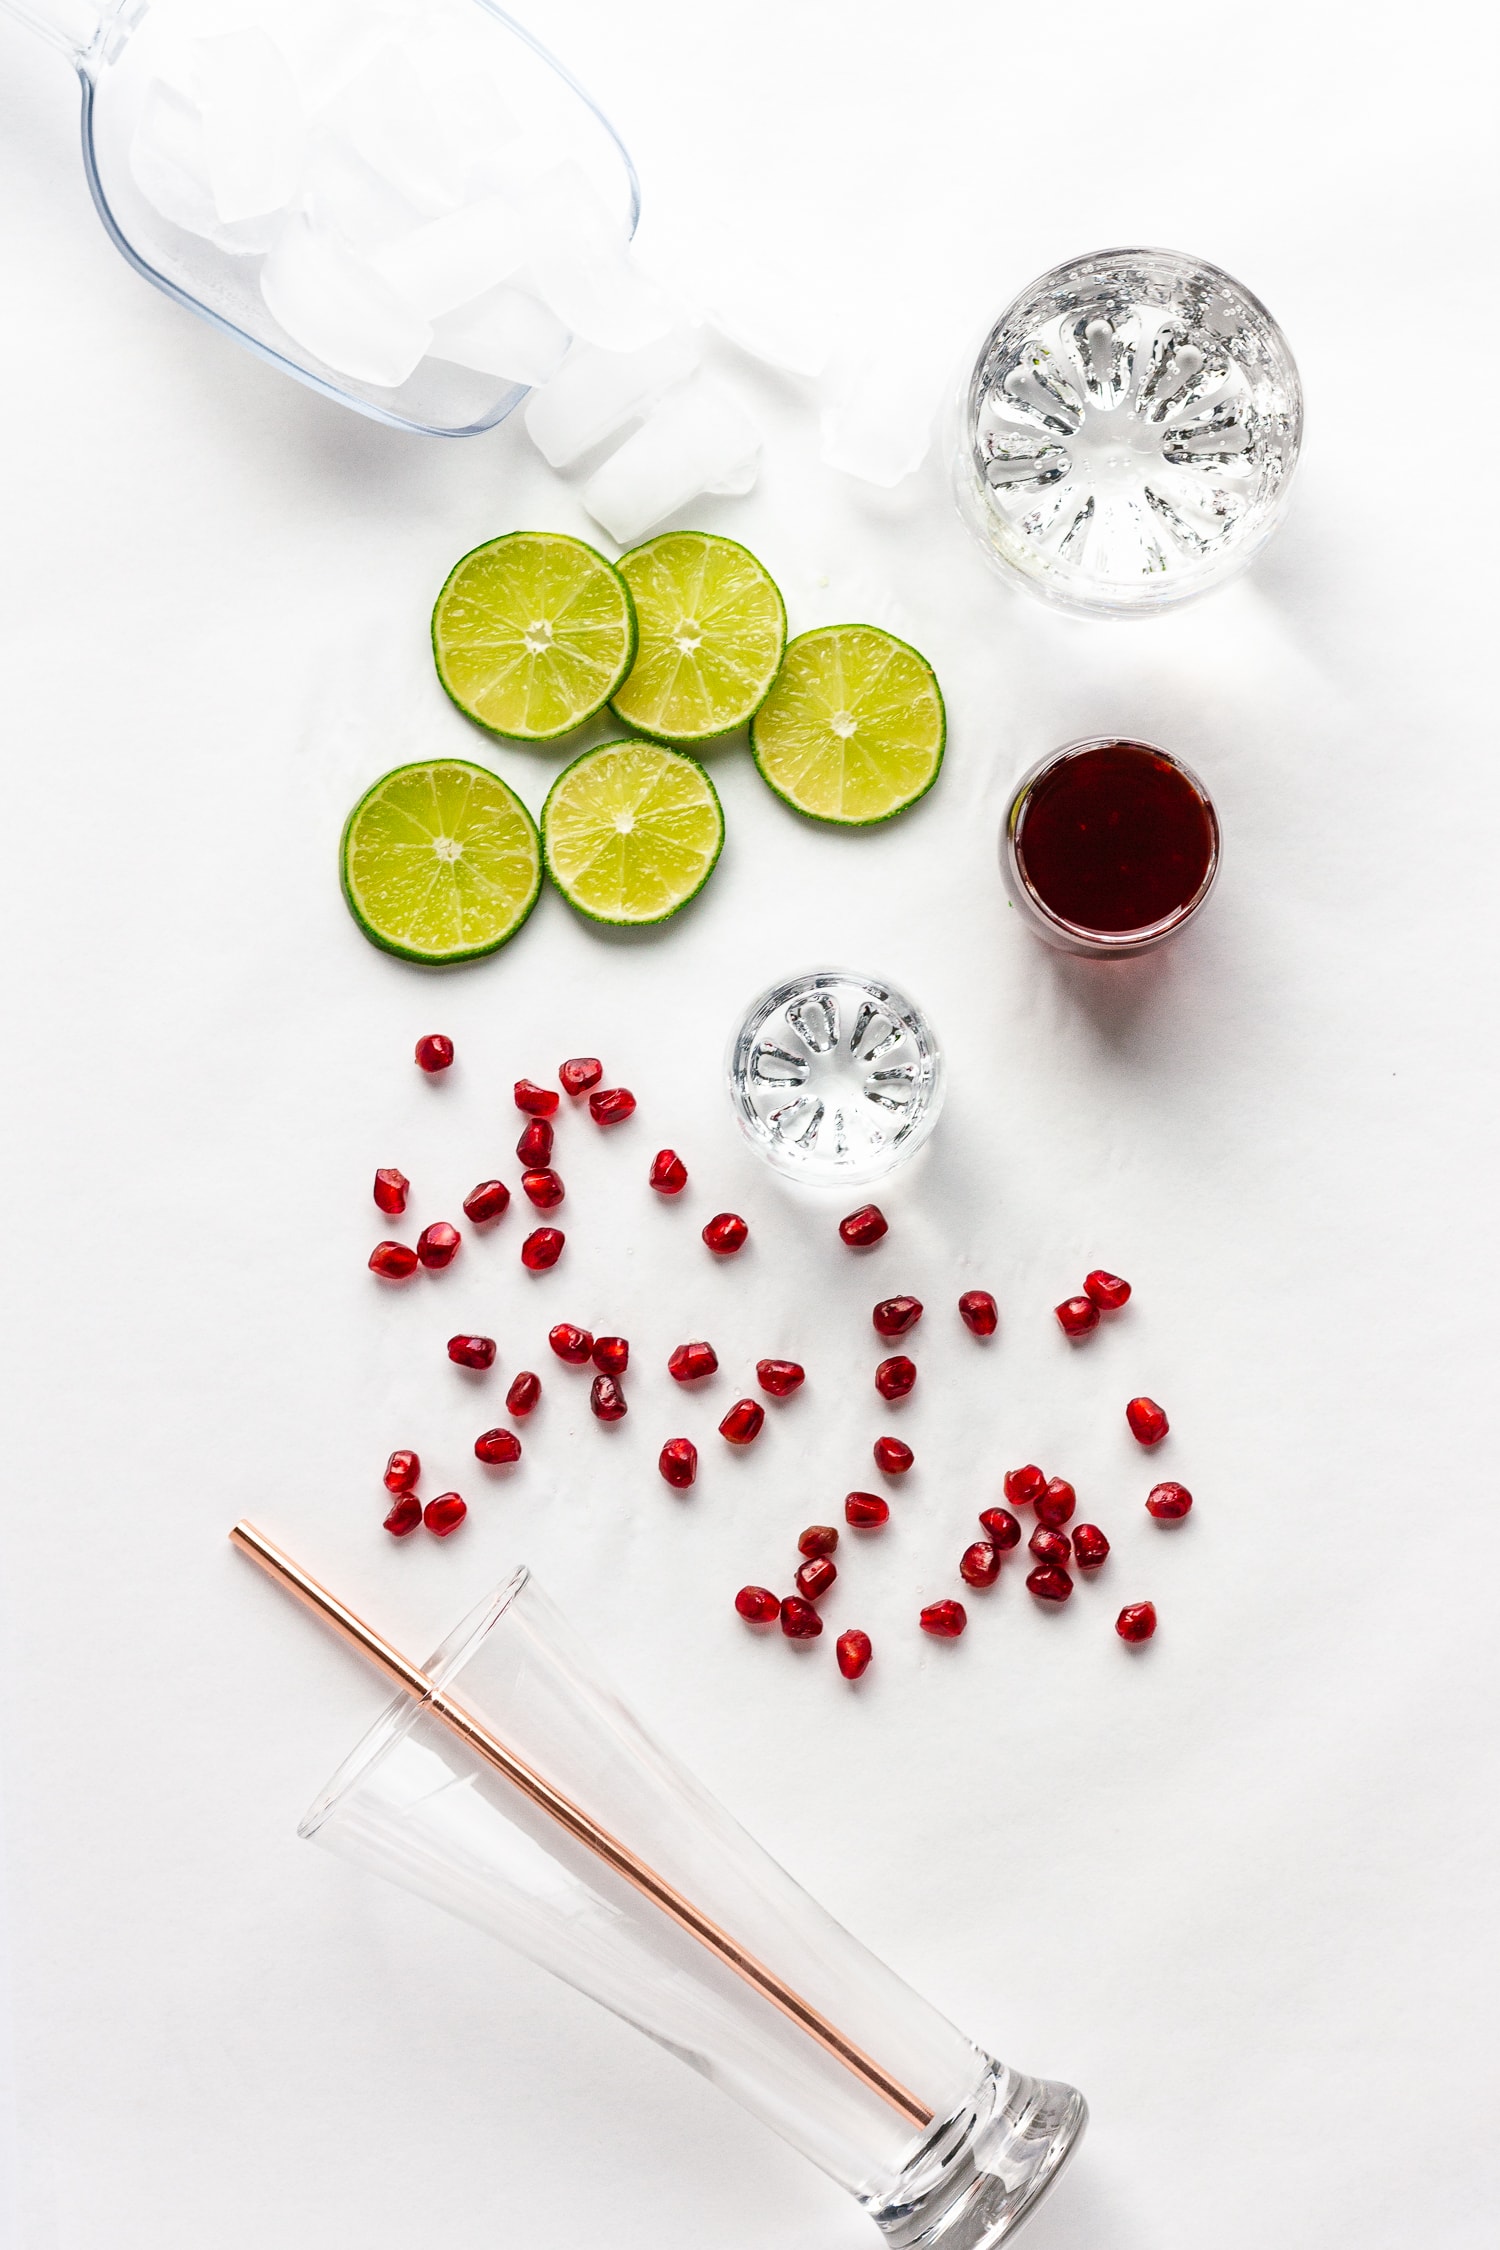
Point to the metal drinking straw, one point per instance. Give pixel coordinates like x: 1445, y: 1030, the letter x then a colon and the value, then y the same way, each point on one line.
x: 413, y: 1681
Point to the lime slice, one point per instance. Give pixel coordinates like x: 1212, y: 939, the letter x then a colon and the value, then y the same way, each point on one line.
x: 853, y: 729
x: 712, y: 630
x: 631, y: 832
x: 440, y: 862
x: 533, y: 633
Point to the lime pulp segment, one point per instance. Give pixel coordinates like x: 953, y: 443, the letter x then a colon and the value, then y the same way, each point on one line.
x: 532, y: 634
x: 631, y: 832
x: 440, y: 861
x: 712, y: 629
x: 854, y: 728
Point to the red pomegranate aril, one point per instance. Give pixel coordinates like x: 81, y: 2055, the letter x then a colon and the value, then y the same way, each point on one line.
x: 1024, y: 1487
x: 668, y: 1175
x: 607, y: 1400
x: 497, y: 1448
x: 726, y: 1234
x: 944, y: 1620
x: 1136, y: 1621
x: 691, y: 1362
x: 853, y: 1651
x: 1169, y: 1503
x: 780, y: 1376
x: 894, y: 1315
x: 1148, y: 1423
x: 1000, y: 1528
x: 864, y: 1226
x: 866, y: 1511
x: 612, y: 1105
x: 979, y: 1312
x: 1107, y: 1290
x: 757, y: 1605
x: 1055, y: 1506
x: 742, y: 1424
x: 472, y: 1351
x: 611, y: 1354
x: 678, y: 1463
x: 892, y: 1456
x: 818, y: 1539
x: 391, y: 1189
x: 1090, y: 1547
x: 815, y: 1576
x: 405, y: 1515
x: 1051, y: 1547
x: 402, y: 1470
x: 393, y: 1261
x: 799, y: 1620
x: 544, y: 1189
x: 537, y: 1101
x: 979, y: 1565
x: 534, y: 1143
x: 575, y: 1345
x: 437, y: 1245
x: 524, y: 1392
x: 542, y: 1248
x: 895, y: 1377
x: 444, y: 1514
x: 434, y: 1052
x: 486, y: 1202
x: 581, y: 1073
x: 1077, y: 1315
x: 1048, y: 1583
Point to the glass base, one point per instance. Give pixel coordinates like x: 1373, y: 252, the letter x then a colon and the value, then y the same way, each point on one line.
x: 986, y: 2169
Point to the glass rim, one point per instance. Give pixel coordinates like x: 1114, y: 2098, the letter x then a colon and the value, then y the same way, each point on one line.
x: 1144, y: 933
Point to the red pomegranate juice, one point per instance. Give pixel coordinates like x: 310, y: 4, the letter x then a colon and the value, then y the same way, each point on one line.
x: 1115, y: 837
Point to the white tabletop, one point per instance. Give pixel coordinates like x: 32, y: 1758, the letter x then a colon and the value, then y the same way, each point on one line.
x: 1241, y: 1891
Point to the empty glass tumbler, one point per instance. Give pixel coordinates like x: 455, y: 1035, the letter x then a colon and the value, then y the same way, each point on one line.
x: 938, y: 2141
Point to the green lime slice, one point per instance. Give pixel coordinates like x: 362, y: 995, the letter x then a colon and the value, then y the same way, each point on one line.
x: 631, y: 831
x: 440, y: 862
x: 533, y: 633
x: 853, y: 730
x: 712, y: 630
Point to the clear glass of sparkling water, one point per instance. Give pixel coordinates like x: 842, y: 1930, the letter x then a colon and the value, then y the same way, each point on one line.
x: 1128, y: 432
x: 835, y: 1077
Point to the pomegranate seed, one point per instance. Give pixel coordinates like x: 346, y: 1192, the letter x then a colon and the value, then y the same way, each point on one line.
x: 486, y: 1201
x: 393, y: 1261
x: 544, y: 1189
x: 853, y: 1651
x: 537, y: 1101
x: 405, y: 1515
x: 1055, y: 1506
x: 1048, y: 1583
x: 726, y: 1234
x: 780, y: 1376
x: 1136, y: 1621
x: 1052, y: 1547
x: 434, y: 1052
x: 402, y: 1470
x: 691, y: 1362
x: 1000, y: 1528
x: 607, y: 1400
x: 577, y: 1076
x: 892, y: 1456
x: 612, y: 1105
x: 678, y: 1463
x: 534, y: 1143
x: 944, y: 1620
x: 894, y: 1315
x: 1077, y: 1315
x: 611, y: 1354
x: 866, y: 1511
x: 444, y: 1514
x: 818, y: 1539
x: 742, y: 1424
x: 895, y: 1377
x: 668, y: 1173
x: 799, y: 1620
x: 1024, y: 1487
x: 1169, y: 1503
x: 498, y: 1448
x: 542, y: 1248
x: 1090, y: 1547
x: 864, y: 1226
x: 1148, y: 1424
x: 979, y: 1565
x: 390, y: 1191
x: 575, y: 1345
x: 1108, y: 1291
x: 815, y: 1576
x: 472, y: 1351
x: 437, y: 1245
x: 756, y: 1604
x: 979, y: 1312
x: 524, y: 1392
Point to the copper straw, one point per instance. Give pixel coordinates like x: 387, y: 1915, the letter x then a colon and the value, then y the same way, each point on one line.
x: 414, y: 1682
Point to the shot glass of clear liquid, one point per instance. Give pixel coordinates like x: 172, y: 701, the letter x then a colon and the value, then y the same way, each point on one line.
x: 835, y: 1077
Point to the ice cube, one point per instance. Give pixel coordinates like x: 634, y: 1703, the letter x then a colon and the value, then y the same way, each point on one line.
x: 454, y: 259
x: 253, y: 127
x: 772, y: 331
x: 169, y: 164
x: 506, y: 333
x: 579, y: 263
x: 337, y: 309
x: 880, y: 427
x: 345, y: 195
x: 594, y: 393
x: 386, y: 113
x: 697, y: 438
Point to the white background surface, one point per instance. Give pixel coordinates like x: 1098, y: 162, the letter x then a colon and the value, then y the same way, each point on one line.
x: 1238, y: 1889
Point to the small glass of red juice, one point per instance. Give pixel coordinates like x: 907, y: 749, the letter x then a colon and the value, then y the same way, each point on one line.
x: 1110, y: 846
